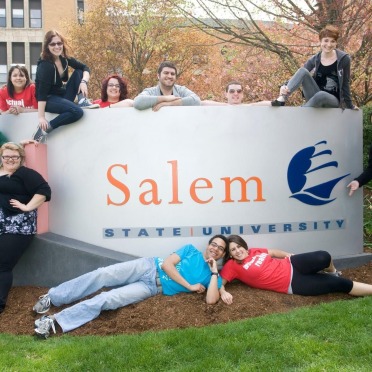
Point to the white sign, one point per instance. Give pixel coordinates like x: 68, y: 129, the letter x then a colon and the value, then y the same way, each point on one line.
x: 145, y: 183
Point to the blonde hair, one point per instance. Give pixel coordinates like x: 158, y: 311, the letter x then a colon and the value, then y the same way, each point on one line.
x: 15, y: 147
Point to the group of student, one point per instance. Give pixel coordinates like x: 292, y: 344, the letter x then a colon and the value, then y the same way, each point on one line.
x: 325, y: 81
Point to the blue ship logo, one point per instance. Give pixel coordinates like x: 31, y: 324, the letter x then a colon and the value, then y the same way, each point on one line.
x: 301, y: 167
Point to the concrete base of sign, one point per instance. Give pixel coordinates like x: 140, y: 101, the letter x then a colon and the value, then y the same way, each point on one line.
x: 53, y: 259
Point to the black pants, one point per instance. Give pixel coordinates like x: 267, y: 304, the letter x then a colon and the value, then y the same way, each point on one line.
x: 12, y: 246
x: 306, y: 280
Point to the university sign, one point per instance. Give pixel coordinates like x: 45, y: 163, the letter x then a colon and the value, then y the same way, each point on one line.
x: 145, y: 183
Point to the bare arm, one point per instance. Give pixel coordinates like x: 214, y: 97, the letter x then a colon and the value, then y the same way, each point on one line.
x: 124, y: 103
x: 34, y: 203
x: 277, y: 253
x: 226, y: 297
x: 43, y: 122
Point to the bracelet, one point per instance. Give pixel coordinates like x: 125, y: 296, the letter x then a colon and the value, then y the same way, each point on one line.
x: 214, y: 274
x: 84, y: 81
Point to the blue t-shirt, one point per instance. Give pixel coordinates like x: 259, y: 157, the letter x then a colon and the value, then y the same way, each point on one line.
x: 192, y: 267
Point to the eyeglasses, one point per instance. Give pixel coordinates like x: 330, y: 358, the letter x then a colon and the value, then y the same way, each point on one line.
x: 114, y: 85
x: 54, y: 44
x: 10, y: 157
x: 232, y: 91
x: 219, y: 247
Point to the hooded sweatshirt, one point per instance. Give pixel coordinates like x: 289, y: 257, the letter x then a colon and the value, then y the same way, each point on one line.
x: 49, y: 81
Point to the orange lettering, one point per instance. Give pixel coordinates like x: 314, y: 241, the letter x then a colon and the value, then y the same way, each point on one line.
x: 228, y: 181
x: 121, y: 186
x: 153, y: 192
x: 193, y: 187
x: 174, y: 164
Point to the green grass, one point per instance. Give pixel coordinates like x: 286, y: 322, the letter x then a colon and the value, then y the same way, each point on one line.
x: 329, y: 337
x: 367, y: 224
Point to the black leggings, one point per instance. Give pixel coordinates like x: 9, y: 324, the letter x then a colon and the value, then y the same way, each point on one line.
x: 12, y: 246
x: 306, y: 280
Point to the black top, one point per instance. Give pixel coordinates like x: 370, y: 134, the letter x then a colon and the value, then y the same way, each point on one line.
x: 327, y: 79
x: 366, y: 176
x: 49, y: 81
x: 22, y: 185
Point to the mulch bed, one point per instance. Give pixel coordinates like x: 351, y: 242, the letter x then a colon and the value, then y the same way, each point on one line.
x: 176, y: 312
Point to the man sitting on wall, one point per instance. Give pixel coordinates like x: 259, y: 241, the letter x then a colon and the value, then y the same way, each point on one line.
x: 234, y: 95
x: 186, y: 270
x: 167, y: 92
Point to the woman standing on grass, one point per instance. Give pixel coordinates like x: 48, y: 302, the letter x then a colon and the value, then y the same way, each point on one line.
x: 22, y: 191
x: 306, y: 274
x: 325, y: 77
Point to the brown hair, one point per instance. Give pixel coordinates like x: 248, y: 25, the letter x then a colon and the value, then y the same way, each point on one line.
x: 167, y: 64
x: 329, y: 31
x: 234, y: 239
x: 15, y: 147
x: 45, y: 53
x: 234, y: 82
x: 23, y: 71
x: 123, y: 87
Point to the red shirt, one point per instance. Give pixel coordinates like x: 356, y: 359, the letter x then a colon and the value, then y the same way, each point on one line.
x: 103, y: 104
x: 260, y: 270
x: 24, y: 99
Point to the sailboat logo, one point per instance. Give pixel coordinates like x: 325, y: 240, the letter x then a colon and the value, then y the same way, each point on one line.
x: 309, y: 163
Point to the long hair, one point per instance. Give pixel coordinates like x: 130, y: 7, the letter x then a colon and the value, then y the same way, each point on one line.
x: 23, y: 71
x: 123, y: 87
x: 45, y: 53
x: 234, y: 239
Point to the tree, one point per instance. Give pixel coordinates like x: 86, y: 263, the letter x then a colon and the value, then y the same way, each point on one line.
x: 290, y: 30
x: 131, y: 38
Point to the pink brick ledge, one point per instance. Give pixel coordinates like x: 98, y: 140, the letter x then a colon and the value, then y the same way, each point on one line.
x: 36, y: 158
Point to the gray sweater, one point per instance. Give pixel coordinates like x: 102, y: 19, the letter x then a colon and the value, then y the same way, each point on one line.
x: 343, y: 72
x: 149, y: 97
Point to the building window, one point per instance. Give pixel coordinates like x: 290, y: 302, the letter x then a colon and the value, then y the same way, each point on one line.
x: 35, y: 14
x: 18, y: 14
x: 3, y: 63
x: 18, y: 53
x: 80, y: 11
x: 35, y: 50
x: 2, y: 13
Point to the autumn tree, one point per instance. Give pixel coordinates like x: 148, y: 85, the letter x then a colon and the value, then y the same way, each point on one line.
x: 288, y: 30
x: 131, y: 38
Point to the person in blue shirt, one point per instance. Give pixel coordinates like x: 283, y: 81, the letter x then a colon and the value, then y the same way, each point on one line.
x: 186, y: 270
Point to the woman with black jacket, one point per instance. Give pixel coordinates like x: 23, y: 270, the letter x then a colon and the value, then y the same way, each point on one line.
x: 55, y: 90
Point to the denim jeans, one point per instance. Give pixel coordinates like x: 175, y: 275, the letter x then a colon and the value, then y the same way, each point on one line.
x: 133, y: 281
x: 313, y: 95
x: 68, y: 111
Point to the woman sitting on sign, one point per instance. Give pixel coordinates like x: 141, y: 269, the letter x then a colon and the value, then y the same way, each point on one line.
x: 114, y: 93
x: 18, y: 95
x: 325, y: 77
x: 306, y: 274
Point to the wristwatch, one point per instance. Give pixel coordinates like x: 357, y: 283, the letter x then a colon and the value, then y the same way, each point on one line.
x: 215, y: 274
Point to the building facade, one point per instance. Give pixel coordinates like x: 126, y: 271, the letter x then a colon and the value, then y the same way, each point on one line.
x: 23, y: 24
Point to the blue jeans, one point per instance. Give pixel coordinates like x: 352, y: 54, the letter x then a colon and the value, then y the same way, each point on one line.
x: 313, y: 95
x: 134, y: 281
x: 68, y: 111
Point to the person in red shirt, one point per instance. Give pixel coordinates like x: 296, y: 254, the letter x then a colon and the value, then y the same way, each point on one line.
x: 306, y: 274
x: 114, y: 93
x: 18, y: 95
